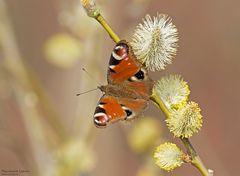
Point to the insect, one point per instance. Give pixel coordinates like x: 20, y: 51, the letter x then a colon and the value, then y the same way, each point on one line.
x: 128, y: 90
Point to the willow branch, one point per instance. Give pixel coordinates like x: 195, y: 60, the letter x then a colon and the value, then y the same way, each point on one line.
x: 93, y: 12
x: 196, y: 160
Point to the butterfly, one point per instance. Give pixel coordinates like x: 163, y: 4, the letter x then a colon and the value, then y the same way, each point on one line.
x: 128, y: 90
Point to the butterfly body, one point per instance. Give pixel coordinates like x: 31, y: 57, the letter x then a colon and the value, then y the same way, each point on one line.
x: 121, y: 90
x: 128, y: 90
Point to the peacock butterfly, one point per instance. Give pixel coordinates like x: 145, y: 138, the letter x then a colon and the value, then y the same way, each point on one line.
x: 128, y: 90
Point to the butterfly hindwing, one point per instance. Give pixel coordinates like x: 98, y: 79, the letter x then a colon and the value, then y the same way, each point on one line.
x: 111, y: 109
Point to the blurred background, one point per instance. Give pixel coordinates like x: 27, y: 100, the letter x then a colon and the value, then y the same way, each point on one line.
x: 46, y: 130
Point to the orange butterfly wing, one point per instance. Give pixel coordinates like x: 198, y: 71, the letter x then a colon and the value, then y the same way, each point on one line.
x: 112, y: 109
x: 124, y: 68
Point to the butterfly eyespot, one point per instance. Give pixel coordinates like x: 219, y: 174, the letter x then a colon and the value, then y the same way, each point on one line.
x: 118, y: 47
x: 100, y: 120
x: 121, y: 47
x: 139, y: 76
x: 100, y: 117
x: 118, y: 56
x: 120, y: 52
x: 129, y: 114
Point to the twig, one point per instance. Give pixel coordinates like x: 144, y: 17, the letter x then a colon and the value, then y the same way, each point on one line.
x: 196, y: 161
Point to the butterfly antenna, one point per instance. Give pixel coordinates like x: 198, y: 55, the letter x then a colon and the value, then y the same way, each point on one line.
x: 86, y: 92
x: 92, y: 77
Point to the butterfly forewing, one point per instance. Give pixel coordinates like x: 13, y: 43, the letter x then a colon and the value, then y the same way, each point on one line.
x: 122, y: 65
